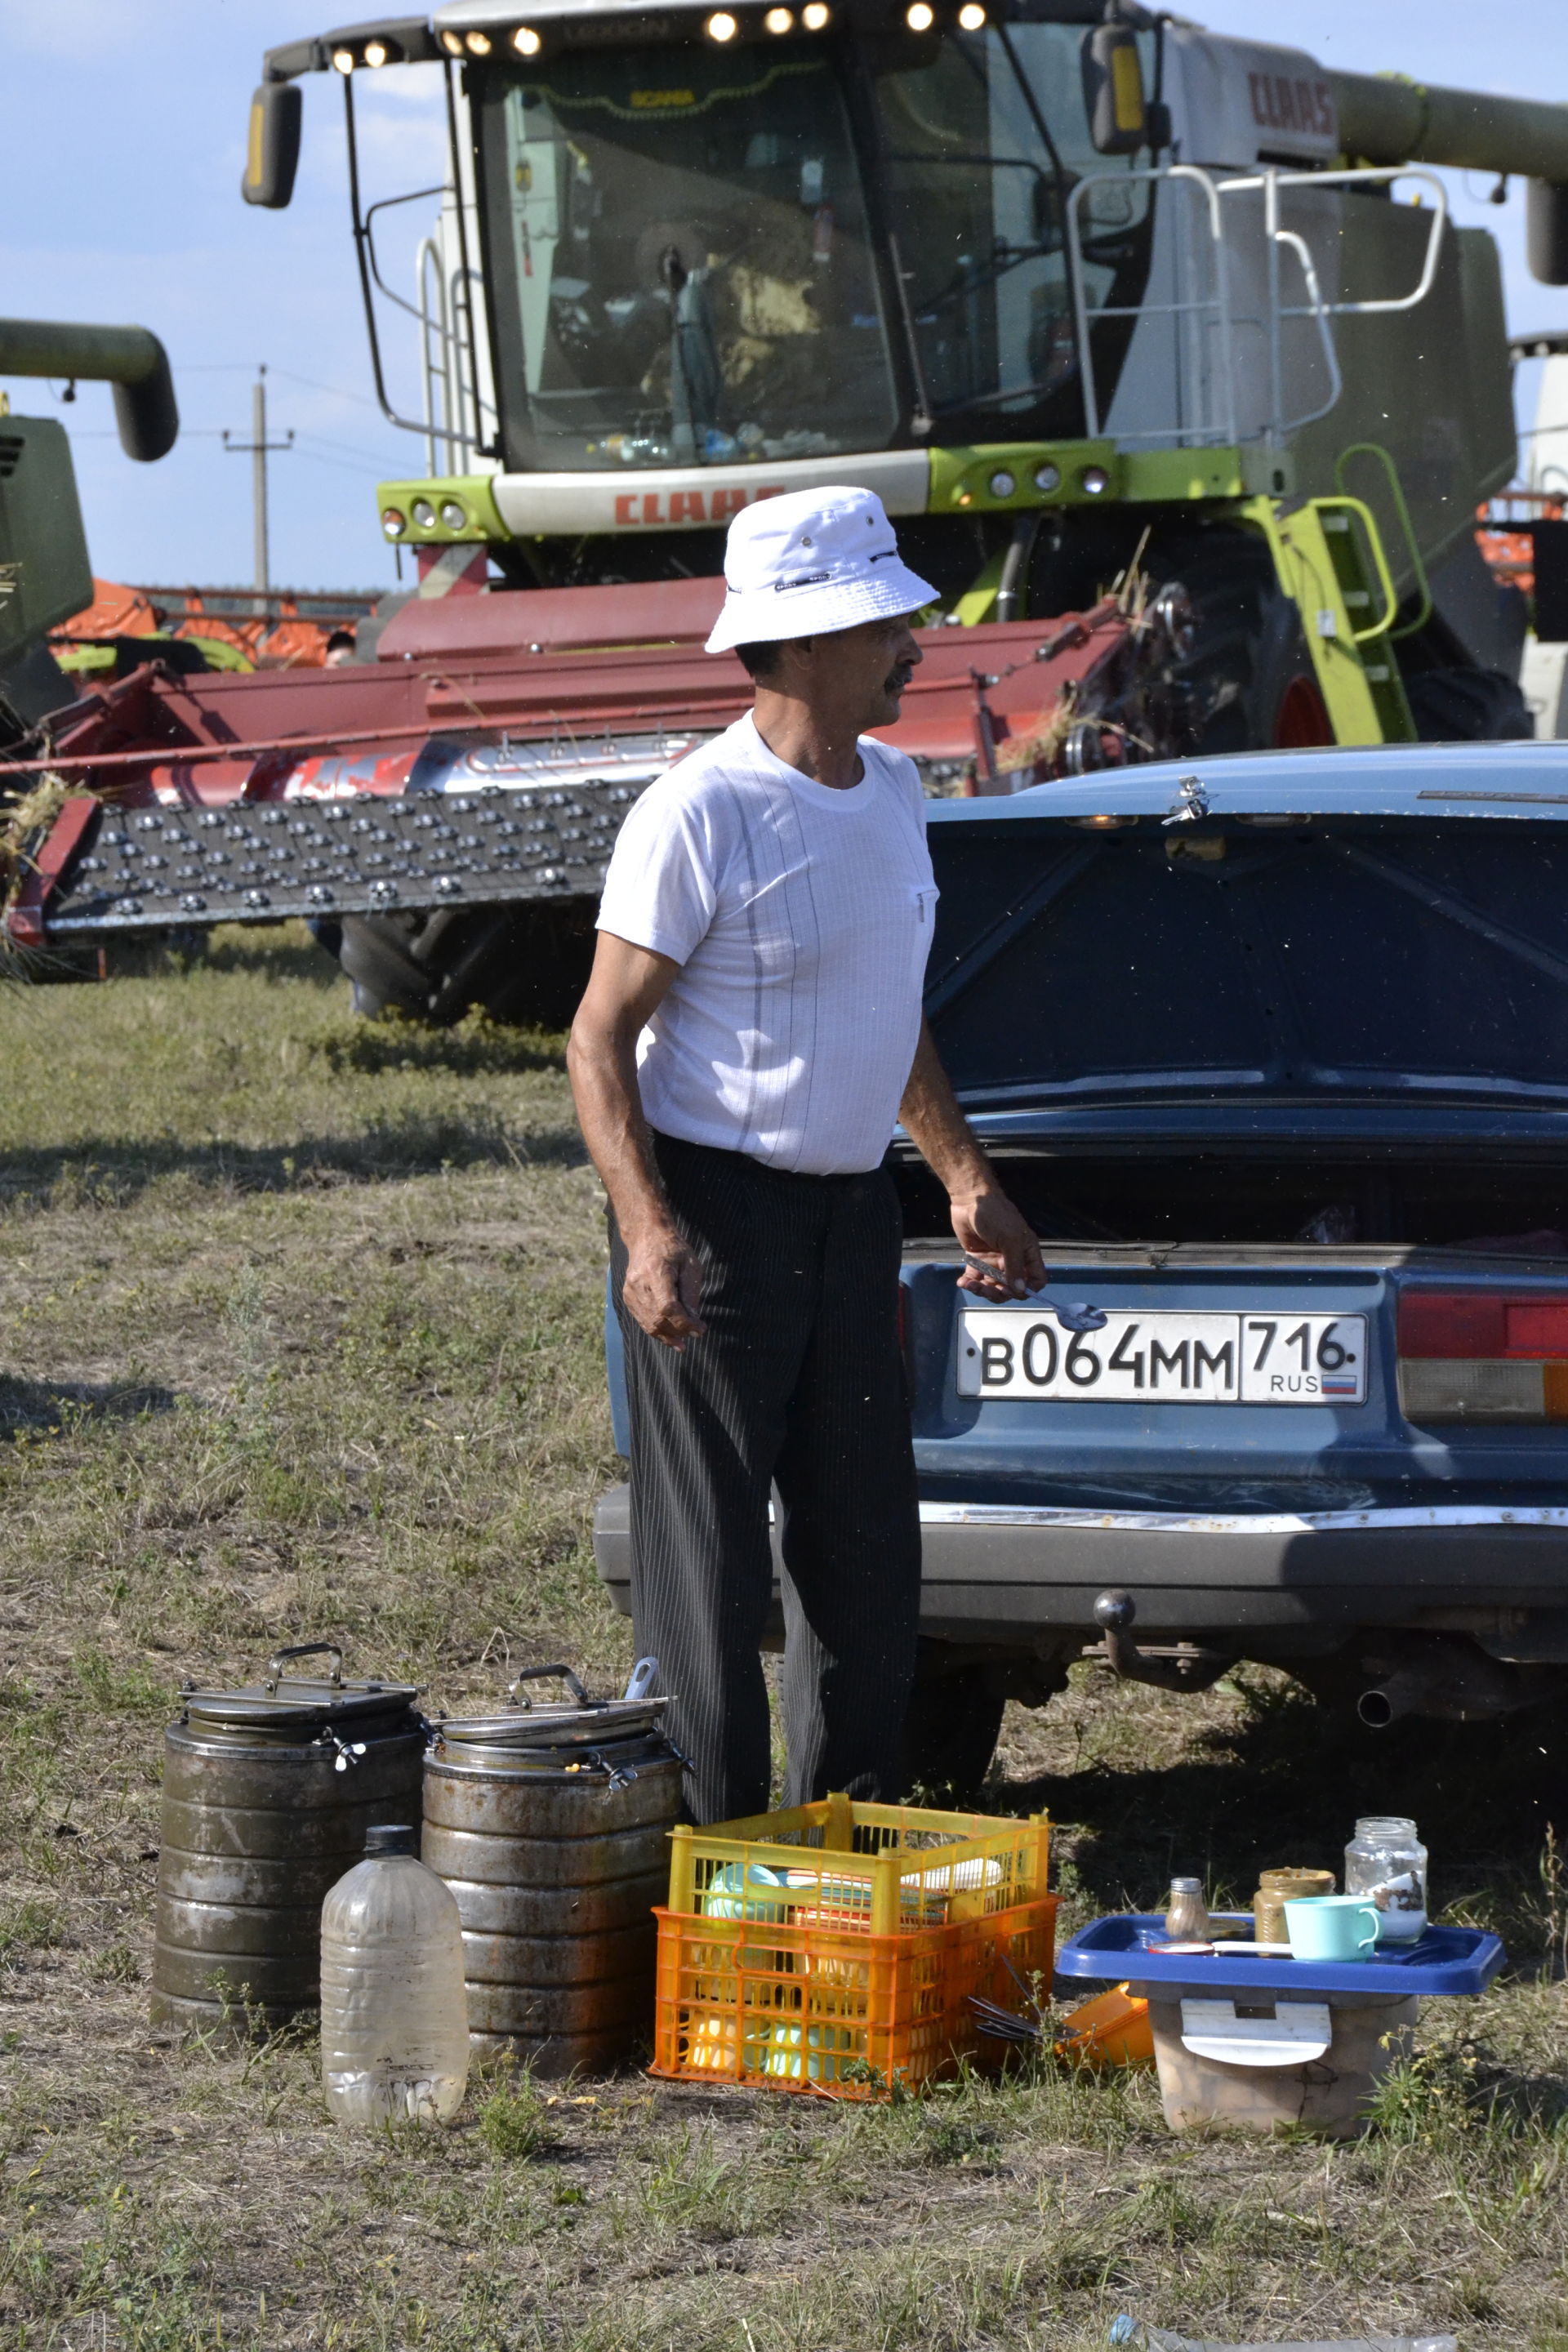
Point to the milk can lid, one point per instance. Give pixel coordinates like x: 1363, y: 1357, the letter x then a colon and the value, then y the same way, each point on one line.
x: 295, y: 1707
x: 578, y: 1722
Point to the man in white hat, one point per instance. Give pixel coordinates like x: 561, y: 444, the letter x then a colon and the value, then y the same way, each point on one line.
x: 751, y: 1032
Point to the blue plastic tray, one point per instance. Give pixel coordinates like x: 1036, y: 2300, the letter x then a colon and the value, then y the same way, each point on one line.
x: 1445, y: 1960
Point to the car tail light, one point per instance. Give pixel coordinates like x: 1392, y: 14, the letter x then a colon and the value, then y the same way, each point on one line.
x: 1475, y: 1355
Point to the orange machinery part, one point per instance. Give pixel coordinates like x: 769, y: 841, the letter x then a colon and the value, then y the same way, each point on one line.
x: 288, y: 635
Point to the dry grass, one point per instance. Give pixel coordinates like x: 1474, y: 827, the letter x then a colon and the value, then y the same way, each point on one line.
x: 302, y: 1327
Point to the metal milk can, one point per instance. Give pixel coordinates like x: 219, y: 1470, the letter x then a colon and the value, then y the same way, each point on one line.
x: 267, y: 1794
x: 550, y: 1825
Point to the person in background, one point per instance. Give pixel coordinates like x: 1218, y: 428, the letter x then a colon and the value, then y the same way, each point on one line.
x: 750, y: 1031
x: 340, y: 649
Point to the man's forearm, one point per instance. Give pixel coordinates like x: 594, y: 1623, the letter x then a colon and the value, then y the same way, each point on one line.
x: 938, y: 1129
x: 602, y: 1065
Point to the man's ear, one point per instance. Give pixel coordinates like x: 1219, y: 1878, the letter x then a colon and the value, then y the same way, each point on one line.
x: 794, y: 655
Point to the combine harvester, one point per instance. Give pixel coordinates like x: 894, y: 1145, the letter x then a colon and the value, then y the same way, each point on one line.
x: 1159, y: 348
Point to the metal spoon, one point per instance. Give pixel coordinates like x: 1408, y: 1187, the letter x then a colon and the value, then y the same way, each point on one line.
x: 1080, y: 1316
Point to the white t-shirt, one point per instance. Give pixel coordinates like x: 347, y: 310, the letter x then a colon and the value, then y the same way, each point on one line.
x: 801, y: 918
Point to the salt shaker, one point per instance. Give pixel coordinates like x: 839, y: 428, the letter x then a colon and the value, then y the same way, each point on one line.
x: 1387, y: 1861
x: 1187, y: 1913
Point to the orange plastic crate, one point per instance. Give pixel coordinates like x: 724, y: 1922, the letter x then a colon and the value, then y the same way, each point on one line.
x: 855, y: 1936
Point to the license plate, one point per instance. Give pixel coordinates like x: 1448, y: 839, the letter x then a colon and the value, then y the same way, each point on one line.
x: 1164, y: 1358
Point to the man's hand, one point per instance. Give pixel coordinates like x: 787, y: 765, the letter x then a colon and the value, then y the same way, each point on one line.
x: 988, y: 1226
x: 663, y: 1288
x: 664, y: 1280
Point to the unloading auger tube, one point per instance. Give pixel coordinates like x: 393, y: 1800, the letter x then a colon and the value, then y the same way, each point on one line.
x: 130, y: 358
x: 1386, y: 119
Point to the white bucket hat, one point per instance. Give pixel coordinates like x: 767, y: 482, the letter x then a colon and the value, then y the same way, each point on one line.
x: 809, y: 563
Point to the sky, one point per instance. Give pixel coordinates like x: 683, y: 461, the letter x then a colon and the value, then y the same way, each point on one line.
x: 119, y: 189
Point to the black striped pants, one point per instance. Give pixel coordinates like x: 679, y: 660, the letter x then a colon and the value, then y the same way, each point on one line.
x: 798, y: 1384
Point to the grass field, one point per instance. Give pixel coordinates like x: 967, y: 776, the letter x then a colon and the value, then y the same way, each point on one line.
x: 301, y: 1338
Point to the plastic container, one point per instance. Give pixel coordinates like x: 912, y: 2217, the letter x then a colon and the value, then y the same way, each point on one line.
x: 868, y: 1866
x: 394, y: 2021
x: 1387, y: 1861
x: 1261, y: 2039
x: 833, y: 1950
x: 1117, y: 1949
x: 1265, y: 2062
x: 1112, y: 2029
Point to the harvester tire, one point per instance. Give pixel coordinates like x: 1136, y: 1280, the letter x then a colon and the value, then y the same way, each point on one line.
x: 1251, y: 674
x: 1249, y: 671
x: 527, y: 965
x: 1467, y: 706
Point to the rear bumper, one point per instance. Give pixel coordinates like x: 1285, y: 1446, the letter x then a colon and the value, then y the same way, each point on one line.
x: 1010, y: 1575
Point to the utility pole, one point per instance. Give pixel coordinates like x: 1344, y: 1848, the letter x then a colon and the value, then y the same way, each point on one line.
x: 258, y: 447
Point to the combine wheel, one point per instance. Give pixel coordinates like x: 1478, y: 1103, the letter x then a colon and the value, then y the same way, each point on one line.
x: 525, y: 964
x: 1252, y: 675
x: 1467, y: 706
x: 1249, y: 671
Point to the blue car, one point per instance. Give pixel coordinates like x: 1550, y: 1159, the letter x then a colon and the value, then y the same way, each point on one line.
x: 1274, y: 1052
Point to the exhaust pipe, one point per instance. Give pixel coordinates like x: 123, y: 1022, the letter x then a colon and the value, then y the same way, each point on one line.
x: 1440, y: 1675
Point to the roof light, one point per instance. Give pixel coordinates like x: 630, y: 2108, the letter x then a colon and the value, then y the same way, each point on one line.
x: 345, y: 60
x: 815, y: 16
x: 394, y: 522
x: 375, y: 53
x: 779, y: 20
x: 454, y: 514
x: 921, y: 17
x: 453, y: 44
x: 1047, y: 477
x: 1002, y: 484
x: 479, y: 44
x: 1094, y: 481
x: 424, y: 514
x: 721, y: 27
x: 971, y: 17
x: 526, y: 41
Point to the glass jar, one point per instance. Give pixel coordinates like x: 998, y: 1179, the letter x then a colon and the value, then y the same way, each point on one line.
x: 1278, y: 1888
x: 1387, y: 1861
x: 1186, y: 1913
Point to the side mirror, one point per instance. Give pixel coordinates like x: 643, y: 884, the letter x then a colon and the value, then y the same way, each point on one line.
x: 1546, y: 231
x: 1113, y: 90
x: 272, y: 148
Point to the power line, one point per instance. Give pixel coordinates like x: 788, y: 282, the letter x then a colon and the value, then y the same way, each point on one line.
x: 242, y: 367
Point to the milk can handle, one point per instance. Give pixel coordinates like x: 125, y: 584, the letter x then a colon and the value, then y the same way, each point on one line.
x: 305, y: 1649
x: 516, y: 1697
x: 644, y: 1675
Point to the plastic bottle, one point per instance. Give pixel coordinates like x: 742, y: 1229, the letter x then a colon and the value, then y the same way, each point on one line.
x: 395, y: 2016
x: 1187, y: 1913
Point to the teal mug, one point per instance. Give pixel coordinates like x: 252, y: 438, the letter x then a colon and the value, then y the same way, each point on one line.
x: 1328, y: 1927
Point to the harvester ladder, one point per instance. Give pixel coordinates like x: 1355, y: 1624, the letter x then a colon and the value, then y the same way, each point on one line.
x: 1329, y: 557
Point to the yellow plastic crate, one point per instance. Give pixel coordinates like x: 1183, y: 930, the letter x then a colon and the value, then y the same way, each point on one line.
x: 898, y: 1866
x: 833, y: 1950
